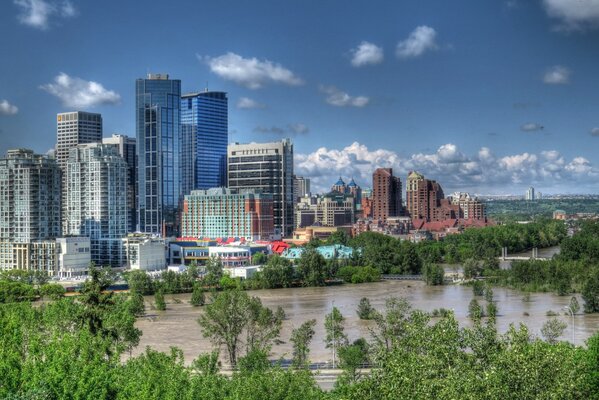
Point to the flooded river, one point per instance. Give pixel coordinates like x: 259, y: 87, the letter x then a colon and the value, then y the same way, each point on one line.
x: 177, y: 326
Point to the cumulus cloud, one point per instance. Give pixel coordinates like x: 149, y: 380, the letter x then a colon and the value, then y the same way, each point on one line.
x: 367, y: 54
x: 247, y: 103
x: 482, y: 171
x: 250, y: 72
x: 531, y: 127
x: 595, y: 132
x: 78, y: 93
x: 557, y: 75
x: 339, y: 98
x: 37, y: 13
x: 8, y: 109
x: 573, y: 14
x: 289, y: 130
x: 421, y: 39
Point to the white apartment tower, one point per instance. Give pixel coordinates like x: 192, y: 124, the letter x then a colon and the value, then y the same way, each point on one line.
x: 97, y: 206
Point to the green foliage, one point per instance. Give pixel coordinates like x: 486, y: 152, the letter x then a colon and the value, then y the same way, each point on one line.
x: 15, y: 291
x: 472, y: 268
x: 351, y: 358
x: 233, y: 315
x: 53, y: 291
x: 475, y: 311
x: 574, y: 305
x: 140, y: 282
x: 277, y: 273
x: 301, y: 338
x: 338, y: 237
x: 434, y: 274
x: 356, y: 274
x: 197, y: 296
x: 136, y: 303
x: 478, y: 288
x: 214, y: 271
x: 335, y: 330
x: 228, y: 283
x: 552, y: 329
x: 365, y: 310
x: 311, y: 268
x: 590, y: 292
x: 259, y: 258
x: 159, y: 301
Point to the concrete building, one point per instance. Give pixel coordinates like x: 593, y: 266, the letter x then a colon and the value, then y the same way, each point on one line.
x: 530, y: 194
x: 332, y: 209
x: 73, y: 256
x: 301, y: 187
x: 158, y: 123
x: 469, y: 206
x: 304, y: 235
x: 222, y: 212
x: 386, y: 194
x: 231, y: 256
x: 204, y: 138
x: 30, y: 217
x: 144, y: 252
x: 97, y: 200
x: 125, y: 147
x: 267, y: 168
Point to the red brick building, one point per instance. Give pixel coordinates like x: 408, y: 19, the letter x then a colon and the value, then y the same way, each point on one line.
x: 386, y: 194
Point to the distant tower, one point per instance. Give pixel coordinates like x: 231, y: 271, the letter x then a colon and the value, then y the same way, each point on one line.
x: 386, y: 194
x: 530, y: 194
x: 339, y: 186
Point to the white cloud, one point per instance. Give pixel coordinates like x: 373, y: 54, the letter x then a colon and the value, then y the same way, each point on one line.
x: 8, y: 109
x: 531, y: 127
x: 367, y: 54
x: 78, y: 93
x: 250, y: 72
x: 455, y: 170
x: 420, y: 40
x: 339, y: 98
x: 247, y: 103
x: 289, y: 130
x: 37, y: 13
x: 574, y: 14
x: 595, y: 132
x: 557, y: 75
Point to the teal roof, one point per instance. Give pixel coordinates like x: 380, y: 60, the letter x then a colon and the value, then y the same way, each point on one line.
x: 328, y: 252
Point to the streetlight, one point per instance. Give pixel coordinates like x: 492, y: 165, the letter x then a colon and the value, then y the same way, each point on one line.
x: 569, y: 309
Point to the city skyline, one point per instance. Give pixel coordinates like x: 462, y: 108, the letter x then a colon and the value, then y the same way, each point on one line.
x: 487, y: 98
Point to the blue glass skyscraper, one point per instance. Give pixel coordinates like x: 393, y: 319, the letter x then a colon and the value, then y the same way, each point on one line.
x: 158, y: 122
x: 205, y: 134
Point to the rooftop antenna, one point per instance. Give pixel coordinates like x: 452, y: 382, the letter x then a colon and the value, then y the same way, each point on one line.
x: 206, y: 90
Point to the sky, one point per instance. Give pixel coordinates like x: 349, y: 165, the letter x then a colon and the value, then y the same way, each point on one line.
x: 483, y: 96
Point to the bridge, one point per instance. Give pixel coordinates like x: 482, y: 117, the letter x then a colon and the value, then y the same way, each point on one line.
x: 401, y: 277
x: 533, y: 256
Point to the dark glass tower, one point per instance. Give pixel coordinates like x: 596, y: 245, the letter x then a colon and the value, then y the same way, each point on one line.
x: 205, y: 134
x: 158, y: 121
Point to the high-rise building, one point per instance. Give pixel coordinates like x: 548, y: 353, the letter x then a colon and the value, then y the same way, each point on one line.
x: 267, y: 168
x: 125, y: 147
x: 222, y: 212
x: 469, y: 206
x: 423, y: 197
x: 72, y: 129
x: 97, y: 200
x: 30, y: 215
x: 158, y: 120
x: 204, y: 138
x: 301, y: 187
x: 530, y: 194
x: 386, y: 194
x: 351, y: 188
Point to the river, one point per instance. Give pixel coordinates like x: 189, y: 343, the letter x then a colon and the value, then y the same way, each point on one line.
x: 177, y: 326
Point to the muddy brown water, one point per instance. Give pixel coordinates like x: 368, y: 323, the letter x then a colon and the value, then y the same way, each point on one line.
x: 177, y: 326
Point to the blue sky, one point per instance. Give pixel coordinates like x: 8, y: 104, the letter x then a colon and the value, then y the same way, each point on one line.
x: 486, y: 96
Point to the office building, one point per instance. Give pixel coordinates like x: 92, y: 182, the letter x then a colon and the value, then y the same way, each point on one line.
x: 125, y: 147
x: 97, y: 200
x: 73, y: 256
x: 204, y: 139
x: 530, y: 194
x: 30, y: 215
x: 266, y: 168
x: 386, y: 194
x: 158, y: 120
x: 224, y: 213
x: 301, y: 187
x: 332, y: 209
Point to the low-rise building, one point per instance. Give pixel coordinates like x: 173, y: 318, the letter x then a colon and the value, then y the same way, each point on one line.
x: 231, y: 256
x: 144, y: 252
x: 73, y: 256
x: 332, y: 209
x: 304, y: 235
x: 331, y: 252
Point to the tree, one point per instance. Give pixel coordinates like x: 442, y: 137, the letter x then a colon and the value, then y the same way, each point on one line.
x: 590, y: 292
x: 552, y: 329
x: 259, y: 258
x: 574, y: 305
x: 234, y: 315
x: 311, y: 266
x: 492, y: 310
x: 277, y: 273
x: 471, y: 268
x: 301, y: 338
x: 335, y: 335
x: 338, y: 237
x: 434, y: 274
x: 159, y: 301
x: 475, y: 311
x: 197, y: 296
x: 489, y: 294
x: 140, y: 282
x: 365, y: 309
x: 52, y: 290
x: 136, y: 303
x: 351, y: 358
x: 214, y: 271
x: 478, y: 288
x: 96, y: 299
